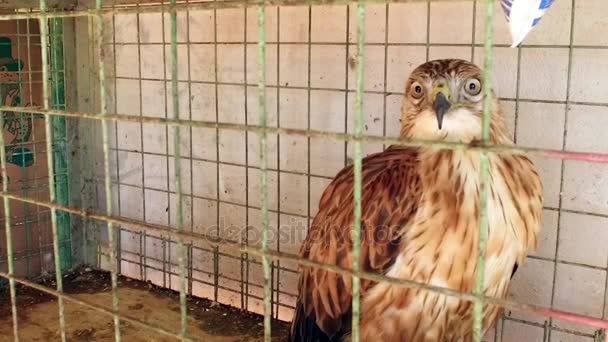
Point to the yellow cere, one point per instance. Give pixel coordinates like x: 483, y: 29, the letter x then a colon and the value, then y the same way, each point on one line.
x: 446, y: 91
x: 443, y: 89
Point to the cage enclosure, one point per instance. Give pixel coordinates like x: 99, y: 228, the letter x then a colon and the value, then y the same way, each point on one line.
x: 162, y: 161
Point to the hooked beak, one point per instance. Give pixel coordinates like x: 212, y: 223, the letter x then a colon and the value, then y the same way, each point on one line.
x: 441, y: 105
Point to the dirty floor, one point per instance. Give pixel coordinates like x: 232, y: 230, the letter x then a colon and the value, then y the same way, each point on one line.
x: 209, y: 321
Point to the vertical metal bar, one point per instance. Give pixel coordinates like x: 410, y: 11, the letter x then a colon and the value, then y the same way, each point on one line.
x: 9, y: 236
x: 107, y: 175
x: 59, y: 140
x: 142, y: 253
x: 24, y: 186
x: 484, y: 171
x: 428, y: 29
x: 216, y: 249
x: 308, y: 116
x: 517, y: 93
x: 44, y: 42
x: 166, y: 257
x: 117, y: 159
x: 244, y: 256
x: 164, y: 244
x: 191, y: 161
x: 473, y: 31
x: 143, y: 259
x: 263, y: 169
x: 562, y: 162
x: 178, y: 175
x: 356, y: 300
x: 278, y: 192
x: 308, y: 119
x: 346, y: 85
x: 385, y: 70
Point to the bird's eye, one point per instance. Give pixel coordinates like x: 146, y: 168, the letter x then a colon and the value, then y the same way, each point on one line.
x: 416, y: 90
x: 472, y: 86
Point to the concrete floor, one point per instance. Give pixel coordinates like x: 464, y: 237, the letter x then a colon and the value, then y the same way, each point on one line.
x: 208, y: 321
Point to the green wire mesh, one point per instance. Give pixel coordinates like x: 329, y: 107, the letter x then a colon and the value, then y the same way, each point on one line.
x: 112, y: 234
x: 484, y: 173
x: 356, y: 301
x: 266, y: 265
x: 178, y: 178
x: 44, y: 41
x: 58, y: 206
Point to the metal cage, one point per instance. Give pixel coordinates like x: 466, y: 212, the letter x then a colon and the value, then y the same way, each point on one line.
x: 77, y: 218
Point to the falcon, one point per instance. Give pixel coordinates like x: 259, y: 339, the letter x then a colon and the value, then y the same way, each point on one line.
x: 420, y: 221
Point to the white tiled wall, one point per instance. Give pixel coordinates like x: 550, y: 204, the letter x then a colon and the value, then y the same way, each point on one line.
x: 535, y: 81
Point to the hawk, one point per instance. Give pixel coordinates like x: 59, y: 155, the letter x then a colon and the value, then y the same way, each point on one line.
x: 420, y: 221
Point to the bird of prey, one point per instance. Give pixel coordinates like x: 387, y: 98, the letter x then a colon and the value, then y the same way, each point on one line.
x: 421, y: 220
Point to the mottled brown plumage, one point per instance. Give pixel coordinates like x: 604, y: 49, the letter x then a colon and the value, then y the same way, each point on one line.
x: 421, y: 221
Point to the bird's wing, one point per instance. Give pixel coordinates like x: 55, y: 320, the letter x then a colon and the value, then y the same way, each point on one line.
x: 390, y: 195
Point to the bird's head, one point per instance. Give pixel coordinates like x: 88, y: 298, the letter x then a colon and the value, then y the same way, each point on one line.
x: 444, y: 101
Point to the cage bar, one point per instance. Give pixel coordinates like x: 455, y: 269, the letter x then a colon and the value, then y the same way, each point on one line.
x: 143, y: 261
x: 357, y: 168
x: 263, y: 117
x: 190, y: 255
x: 113, y: 260
x: 562, y: 163
x: 484, y: 174
x: 216, y: 241
x: 244, y: 258
x: 276, y: 266
x: 592, y: 157
x: 216, y: 252
x: 184, y: 6
x: 116, y: 144
x: 44, y: 41
x: 178, y: 177
x: 149, y: 3
x: 270, y: 258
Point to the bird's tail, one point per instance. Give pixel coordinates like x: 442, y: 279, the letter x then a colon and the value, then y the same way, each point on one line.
x: 305, y: 329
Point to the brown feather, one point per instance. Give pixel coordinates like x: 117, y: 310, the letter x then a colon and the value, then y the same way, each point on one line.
x: 382, y: 223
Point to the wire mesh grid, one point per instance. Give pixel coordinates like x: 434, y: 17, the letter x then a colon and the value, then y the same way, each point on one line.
x: 25, y: 150
x: 216, y: 262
